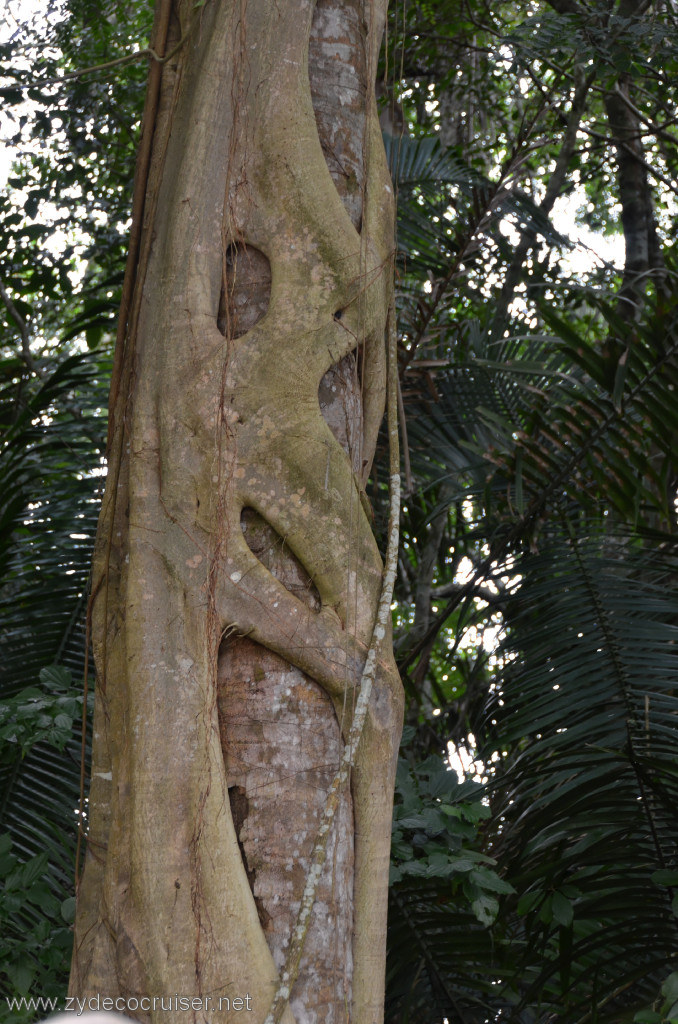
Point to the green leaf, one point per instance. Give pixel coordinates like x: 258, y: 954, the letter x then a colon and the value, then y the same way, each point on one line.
x: 488, y: 879
x: 463, y: 864
x: 21, y: 975
x: 665, y: 876
x: 408, y: 734
x: 415, y: 868
x: 40, y: 895
x: 620, y: 381
x: 93, y: 336
x: 562, y: 909
x: 528, y: 901
x: 671, y: 1014
x: 68, y: 909
x: 670, y: 988
x: 34, y: 869
x: 413, y: 821
x: 485, y: 909
x: 55, y: 677
x: 63, y: 722
x: 31, y: 205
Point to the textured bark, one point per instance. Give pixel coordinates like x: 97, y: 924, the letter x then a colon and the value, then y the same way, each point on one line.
x: 282, y: 743
x: 236, y: 575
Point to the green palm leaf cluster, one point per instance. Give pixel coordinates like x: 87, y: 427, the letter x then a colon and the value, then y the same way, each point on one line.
x: 606, y: 431
x: 586, y: 790
x: 62, y: 246
x: 572, y: 475
x: 554, y: 469
x: 48, y: 511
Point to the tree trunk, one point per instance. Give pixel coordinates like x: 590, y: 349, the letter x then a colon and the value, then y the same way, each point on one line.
x: 643, y: 252
x: 236, y: 577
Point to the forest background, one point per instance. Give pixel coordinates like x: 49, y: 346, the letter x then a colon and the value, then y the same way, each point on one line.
x: 536, y: 612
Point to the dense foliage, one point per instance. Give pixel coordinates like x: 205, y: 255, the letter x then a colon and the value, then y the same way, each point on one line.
x: 537, y: 604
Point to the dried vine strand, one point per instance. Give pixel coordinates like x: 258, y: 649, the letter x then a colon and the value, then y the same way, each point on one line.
x: 117, y: 62
x: 380, y: 631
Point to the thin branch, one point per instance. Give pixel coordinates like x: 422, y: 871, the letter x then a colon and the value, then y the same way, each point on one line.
x: 128, y: 58
x: 26, y: 353
x: 482, y: 593
x: 483, y: 205
x: 536, y: 508
x: 406, y: 445
x: 655, y: 129
x: 553, y: 191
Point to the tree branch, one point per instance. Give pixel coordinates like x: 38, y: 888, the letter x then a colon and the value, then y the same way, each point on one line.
x: 128, y: 58
x: 638, y: 222
x: 553, y: 190
x: 26, y: 353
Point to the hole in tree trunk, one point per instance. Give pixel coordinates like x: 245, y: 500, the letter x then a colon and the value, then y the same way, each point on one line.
x: 338, y: 78
x: 240, y: 806
x: 340, y: 400
x: 246, y: 291
x: 271, y: 550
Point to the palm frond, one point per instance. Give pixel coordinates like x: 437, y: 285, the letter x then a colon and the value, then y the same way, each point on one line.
x: 48, y: 514
x: 582, y: 726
